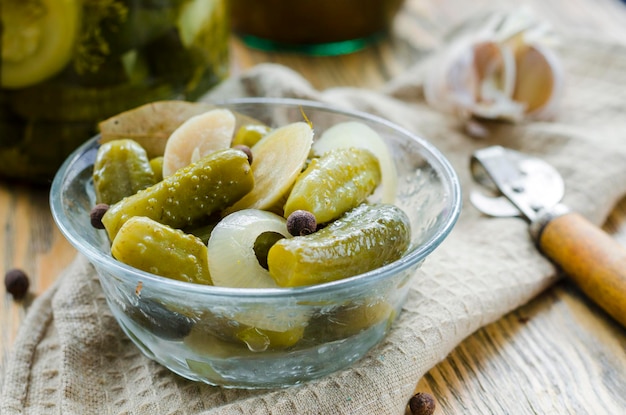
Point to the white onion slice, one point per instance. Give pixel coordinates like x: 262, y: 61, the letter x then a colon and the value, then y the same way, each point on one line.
x: 197, y: 137
x: 232, y: 261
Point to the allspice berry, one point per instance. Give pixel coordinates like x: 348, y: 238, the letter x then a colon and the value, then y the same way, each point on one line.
x: 422, y: 404
x: 96, y: 215
x: 16, y: 283
x: 301, y: 222
x: 246, y: 150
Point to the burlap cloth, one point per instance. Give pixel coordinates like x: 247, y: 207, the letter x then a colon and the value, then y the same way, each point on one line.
x: 70, y: 357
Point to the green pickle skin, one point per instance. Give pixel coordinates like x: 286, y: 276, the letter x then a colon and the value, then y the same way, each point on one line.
x: 365, y: 238
x: 350, y: 319
x: 156, y: 163
x: 260, y: 340
x: 121, y: 169
x: 159, y: 249
x: 335, y: 183
x: 250, y: 134
x: 188, y: 196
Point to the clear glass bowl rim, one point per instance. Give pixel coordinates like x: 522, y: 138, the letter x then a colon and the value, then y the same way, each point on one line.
x: 432, y: 154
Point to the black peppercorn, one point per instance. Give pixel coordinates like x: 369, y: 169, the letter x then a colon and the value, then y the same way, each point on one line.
x: 96, y: 215
x: 246, y: 150
x: 301, y: 222
x: 422, y: 404
x: 16, y: 283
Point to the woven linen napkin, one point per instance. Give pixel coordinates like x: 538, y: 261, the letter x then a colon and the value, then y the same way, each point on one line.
x: 70, y: 357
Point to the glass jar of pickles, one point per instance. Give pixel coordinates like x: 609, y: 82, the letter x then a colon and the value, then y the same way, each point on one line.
x: 314, y: 27
x: 68, y: 64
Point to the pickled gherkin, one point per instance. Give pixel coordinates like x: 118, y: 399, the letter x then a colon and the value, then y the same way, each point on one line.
x: 188, y: 196
x: 250, y: 134
x: 335, y: 183
x: 58, y: 103
x: 38, y: 39
x: 121, y: 169
x: 365, y: 238
x: 157, y: 168
x: 259, y: 340
x: 161, y: 250
x: 350, y: 319
x: 214, y: 335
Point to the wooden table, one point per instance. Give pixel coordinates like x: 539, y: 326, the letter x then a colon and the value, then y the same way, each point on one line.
x: 559, y: 354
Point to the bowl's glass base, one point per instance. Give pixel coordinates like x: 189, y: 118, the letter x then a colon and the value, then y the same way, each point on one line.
x: 247, y: 370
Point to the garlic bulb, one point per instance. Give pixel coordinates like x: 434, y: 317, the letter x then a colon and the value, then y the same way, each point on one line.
x: 500, y: 68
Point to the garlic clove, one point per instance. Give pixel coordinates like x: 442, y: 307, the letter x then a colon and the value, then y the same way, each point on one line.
x: 539, y: 82
x: 503, y: 69
x: 451, y: 82
x: 495, y: 71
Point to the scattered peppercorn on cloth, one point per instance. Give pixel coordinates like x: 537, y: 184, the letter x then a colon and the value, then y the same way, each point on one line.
x: 70, y: 356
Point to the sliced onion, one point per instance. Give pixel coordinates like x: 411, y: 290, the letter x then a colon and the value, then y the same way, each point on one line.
x: 232, y: 260
x: 197, y: 137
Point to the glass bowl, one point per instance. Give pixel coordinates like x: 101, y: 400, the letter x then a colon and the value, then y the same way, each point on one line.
x: 266, y: 338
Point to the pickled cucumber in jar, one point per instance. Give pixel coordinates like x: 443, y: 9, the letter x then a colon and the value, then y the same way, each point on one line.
x: 69, y: 64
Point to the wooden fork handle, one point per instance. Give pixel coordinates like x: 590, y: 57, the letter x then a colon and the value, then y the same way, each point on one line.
x: 594, y: 260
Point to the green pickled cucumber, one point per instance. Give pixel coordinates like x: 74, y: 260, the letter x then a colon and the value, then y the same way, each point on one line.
x: 190, y: 195
x: 365, y: 238
x: 334, y: 183
x: 157, y: 168
x: 121, y: 169
x: 158, y: 318
x: 259, y: 340
x: 38, y: 39
x: 250, y: 134
x: 204, y: 31
x: 349, y: 319
x: 203, y: 230
x: 22, y: 154
x: 161, y: 250
x: 110, y: 29
x: 216, y: 335
x: 179, y: 66
x: 57, y: 102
